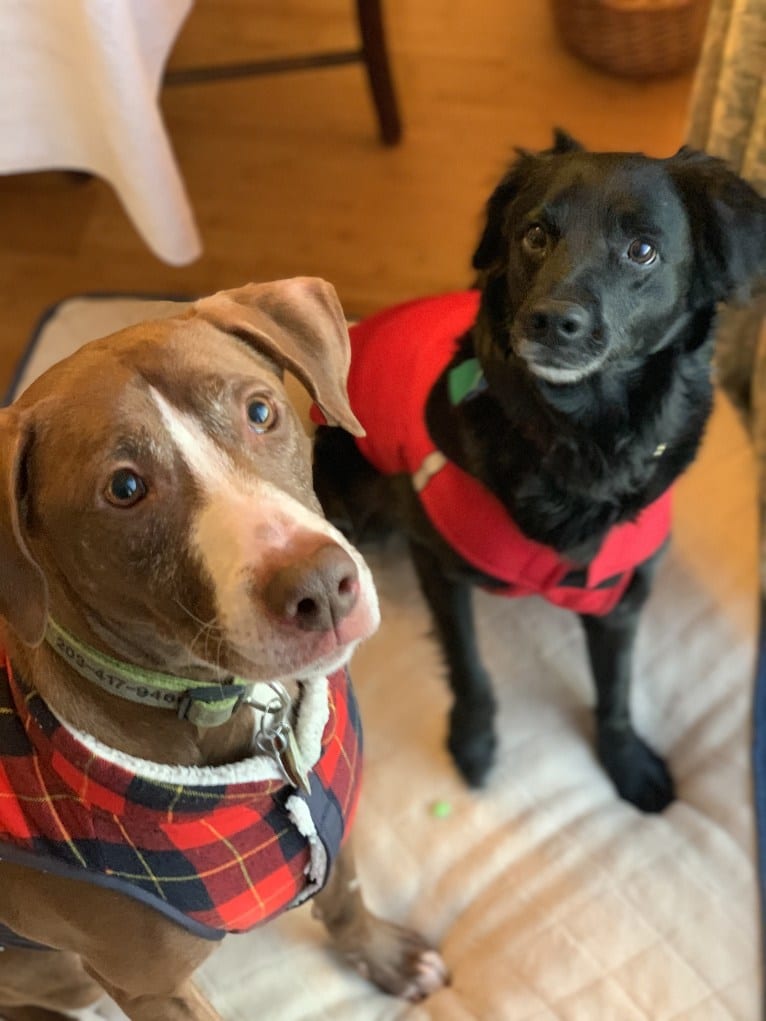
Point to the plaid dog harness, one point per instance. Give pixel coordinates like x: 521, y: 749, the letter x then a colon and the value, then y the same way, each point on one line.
x: 397, y: 356
x: 215, y: 849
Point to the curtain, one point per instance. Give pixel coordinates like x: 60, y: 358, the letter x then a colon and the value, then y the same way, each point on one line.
x: 728, y: 119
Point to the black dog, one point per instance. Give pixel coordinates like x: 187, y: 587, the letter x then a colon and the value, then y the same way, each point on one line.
x: 575, y: 388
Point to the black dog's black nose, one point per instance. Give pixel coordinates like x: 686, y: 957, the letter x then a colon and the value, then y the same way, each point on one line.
x: 558, y: 321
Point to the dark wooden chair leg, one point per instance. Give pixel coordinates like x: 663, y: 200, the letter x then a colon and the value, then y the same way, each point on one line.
x: 375, y: 54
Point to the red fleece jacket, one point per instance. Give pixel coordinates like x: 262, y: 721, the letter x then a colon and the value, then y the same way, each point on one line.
x: 397, y: 356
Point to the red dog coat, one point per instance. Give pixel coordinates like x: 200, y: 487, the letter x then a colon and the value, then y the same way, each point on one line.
x: 216, y: 857
x: 397, y: 356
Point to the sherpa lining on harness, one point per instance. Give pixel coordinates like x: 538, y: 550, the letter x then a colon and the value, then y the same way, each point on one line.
x: 216, y: 849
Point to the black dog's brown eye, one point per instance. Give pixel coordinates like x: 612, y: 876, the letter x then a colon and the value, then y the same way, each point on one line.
x: 261, y: 414
x: 125, y: 488
x: 641, y: 252
x: 536, y: 238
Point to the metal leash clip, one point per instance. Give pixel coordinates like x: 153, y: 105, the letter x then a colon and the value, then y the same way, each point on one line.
x: 275, y: 736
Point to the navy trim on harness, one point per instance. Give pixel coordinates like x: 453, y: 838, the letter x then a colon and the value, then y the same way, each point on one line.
x: 327, y: 817
x: 52, y: 866
x: 12, y: 940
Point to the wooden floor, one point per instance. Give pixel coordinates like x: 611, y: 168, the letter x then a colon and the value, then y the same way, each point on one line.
x: 286, y: 175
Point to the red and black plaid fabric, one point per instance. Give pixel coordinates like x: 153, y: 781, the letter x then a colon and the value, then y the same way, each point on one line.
x: 216, y: 859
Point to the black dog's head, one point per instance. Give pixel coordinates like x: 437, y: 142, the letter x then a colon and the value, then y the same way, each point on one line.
x: 594, y: 259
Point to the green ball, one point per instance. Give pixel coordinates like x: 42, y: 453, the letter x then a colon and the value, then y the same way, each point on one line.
x: 441, y: 809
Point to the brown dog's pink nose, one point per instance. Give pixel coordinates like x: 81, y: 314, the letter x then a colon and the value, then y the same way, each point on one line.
x: 315, y: 593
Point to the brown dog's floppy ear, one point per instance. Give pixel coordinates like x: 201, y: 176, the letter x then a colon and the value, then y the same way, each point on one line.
x: 300, y: 324
x: 23, y: 590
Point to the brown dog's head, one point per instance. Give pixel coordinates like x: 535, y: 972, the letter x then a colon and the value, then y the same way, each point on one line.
x: 157, y: 492
x: 597, y: 260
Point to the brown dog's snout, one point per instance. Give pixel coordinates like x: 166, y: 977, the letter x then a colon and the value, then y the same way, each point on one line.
x: 317, y: 592
x: 563, y: 321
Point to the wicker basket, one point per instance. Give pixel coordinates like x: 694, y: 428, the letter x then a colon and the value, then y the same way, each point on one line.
x: 637, y: 38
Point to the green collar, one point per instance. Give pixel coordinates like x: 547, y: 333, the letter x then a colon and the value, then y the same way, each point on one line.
x: 199, y: 702
x: 465, y: 381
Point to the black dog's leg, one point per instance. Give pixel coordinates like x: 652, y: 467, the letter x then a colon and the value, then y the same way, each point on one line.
x: 354, y: 497
x: 637, y: 772
x: 471, y: 738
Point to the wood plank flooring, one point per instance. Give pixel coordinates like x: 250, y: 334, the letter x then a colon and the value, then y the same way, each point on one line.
x: 286, y: 175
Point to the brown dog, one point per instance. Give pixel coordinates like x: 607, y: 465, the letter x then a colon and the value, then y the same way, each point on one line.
x: 162, y: 549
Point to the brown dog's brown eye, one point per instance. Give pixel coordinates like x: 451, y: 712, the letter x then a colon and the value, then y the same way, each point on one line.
x: 125, y: 488
x: 536, y: 238
x: 641, y: 252
x: 261, y: 414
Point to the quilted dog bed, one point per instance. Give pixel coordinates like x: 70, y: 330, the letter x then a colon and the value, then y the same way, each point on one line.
x: 552, y: 900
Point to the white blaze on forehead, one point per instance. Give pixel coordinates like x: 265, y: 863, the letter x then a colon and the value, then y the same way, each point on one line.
x: 234, y: 519
x: 202, y: 455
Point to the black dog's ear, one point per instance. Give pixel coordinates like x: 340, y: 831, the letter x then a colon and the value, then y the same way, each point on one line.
x: 727, y: 218
x: 490, y: 247
x: 563, y: 142
x: 492, y: 242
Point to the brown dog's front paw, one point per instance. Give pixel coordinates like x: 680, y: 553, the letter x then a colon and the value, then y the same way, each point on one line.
x: 398, y: 961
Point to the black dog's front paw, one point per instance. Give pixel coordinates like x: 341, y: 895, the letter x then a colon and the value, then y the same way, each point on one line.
x: 638, y: 773
x: 472, y: 741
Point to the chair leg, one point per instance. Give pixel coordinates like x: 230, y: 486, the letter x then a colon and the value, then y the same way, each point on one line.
x: 375, y: 54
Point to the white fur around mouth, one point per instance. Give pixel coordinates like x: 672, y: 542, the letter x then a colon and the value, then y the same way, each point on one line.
x: 555, y: 374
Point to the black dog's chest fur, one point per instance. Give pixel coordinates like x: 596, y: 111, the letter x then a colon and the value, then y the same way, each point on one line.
x: 568, y: 463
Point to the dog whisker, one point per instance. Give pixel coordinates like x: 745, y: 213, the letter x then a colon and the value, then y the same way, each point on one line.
x: 194, y: 617
x: 210, y: 630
